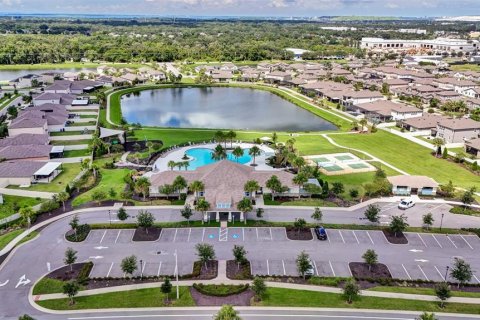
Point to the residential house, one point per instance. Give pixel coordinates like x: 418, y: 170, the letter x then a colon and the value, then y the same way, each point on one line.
x: 473, y: 147
x: 386, y: 110
x: 423, y: 124
x: 24, y: 173
x: 408, y: 185
x: 278, y: 77
x: 23, y: 139
x: 362, y: 96
x: 54, y: 98
x: 25, y: 81
x: 222, y: 76
x: 457, y: 130
x: 26, y: 152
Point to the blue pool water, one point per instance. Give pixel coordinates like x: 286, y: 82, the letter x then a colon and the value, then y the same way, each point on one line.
x: 203, y: 156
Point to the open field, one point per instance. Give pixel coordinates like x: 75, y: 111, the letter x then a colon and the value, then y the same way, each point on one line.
x: 20, y: 202
x: 409, y: 156
x: 6, y: 238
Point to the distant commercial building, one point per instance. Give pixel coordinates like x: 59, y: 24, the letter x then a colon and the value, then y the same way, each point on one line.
x: 439, y: 44
x: 297, y: 53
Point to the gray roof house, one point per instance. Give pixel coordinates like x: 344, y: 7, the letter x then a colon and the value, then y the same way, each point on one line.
x: 24, y: 173
x: 407, y: 185
x: 457, y: 130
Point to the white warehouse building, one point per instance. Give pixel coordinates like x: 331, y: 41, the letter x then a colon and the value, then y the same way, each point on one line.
x: 439, y: 44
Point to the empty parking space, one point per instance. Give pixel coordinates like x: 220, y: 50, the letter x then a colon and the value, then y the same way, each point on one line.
x: 378, y: 237
x: 364, y: 237
x: 398, y: 272
x: 460, y: 242
x: 196, y: 235
x: 110, y: 237
x: 415, y: 271
x: 259, y: 267
x: 95, y: 236
x: 415, y: 239
x: 341, y: 269
x: 434, y: 273
x: 151, y: 268
x: 264, y: 234
x: 250, y: 234
x: 279, y: 234
x: 334, y: 236
x: 445, y: 241
x: 349, y: 236
x: 324, y: 269
x: 167, y: 235
x: 431, y: 240
x: 124, y: 236
x: 473, y: 240
x: 276, y: 267
x: 183, y: 235
x: 100, y: 269
x: 290, y: 267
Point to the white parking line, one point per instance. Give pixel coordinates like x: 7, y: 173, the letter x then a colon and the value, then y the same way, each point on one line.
x: 408, y: 274
x: 368, y: 234
x: 109, y: 270
x: 355, y: 236
x: 268, y: 268
x: 175, y: 235
x: 476, y: 278
x: 452, y: 242
x: 104, y: 233
x: 243, y: 234
x: 331, y: 267
x: 339, y: 231
x: 349, y: 270
x: 426, y: 278
x: 256, y: 230
x: 118, y: 235
x: 466, y: 242
x: 284, y: 271
x: 315, y: 266
x: 143, y: 267
x: 328, y: 237
x: 159, y: 268
x: 271, y: 236
x: 418, y: 234
x: 189, y: 233
x: 441, y: 275
x: 435, y: 208
x: 437, y: 241
x: 203, y: 234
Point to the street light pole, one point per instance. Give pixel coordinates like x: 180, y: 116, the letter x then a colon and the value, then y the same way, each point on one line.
x: 441, y: 222
x: 446, y: 273
x: 176, y: 274
x: 141, y: 269
x: 110, y: 216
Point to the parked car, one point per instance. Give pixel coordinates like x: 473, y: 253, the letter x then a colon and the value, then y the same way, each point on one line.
x: 310, y: 271
x: 405, y: 204
x: 321, y: 233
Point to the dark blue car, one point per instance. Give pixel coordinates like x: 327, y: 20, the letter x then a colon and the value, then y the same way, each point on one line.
x: 321, y: 233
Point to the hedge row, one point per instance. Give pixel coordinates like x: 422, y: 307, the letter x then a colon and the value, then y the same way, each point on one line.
x: 82, y: 277
x: 220, y: 290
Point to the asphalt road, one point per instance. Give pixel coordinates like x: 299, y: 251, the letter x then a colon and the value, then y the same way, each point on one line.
x: 425, y: 257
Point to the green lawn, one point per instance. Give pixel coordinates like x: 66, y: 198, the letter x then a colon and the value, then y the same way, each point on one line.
x: 425, y: 291
x: 7, y: 102
x: 111, y: 178
x: 143, y: 298
x: 409, y: 156
x: 67, y: 133
x: 309, y: 203
x: 6, y: 238
x: 69, y: 142
x: 83, y: 124
x: 76, y: 153
x: 10, y: 202
x: 465, y: 67
x: 48, y: 285
x: 69, y: 172
x: 302, y: 298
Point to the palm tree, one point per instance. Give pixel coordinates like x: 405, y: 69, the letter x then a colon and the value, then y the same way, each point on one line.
x: 196, y: 186
x: 202, y: 206
x: 171, y: 164
x: 219, y: 136
x: 219, y: 153
x: 363, y: 122
x: 290, y: 144
x: 298, y: 163
x: 231, y: 135
x: 63, y: 197
x: 438, y: 143
x: 355, y: 125
x: 300, y: 179
x: 254, y: 152
x: 141, y: 186
x: 274, y: 138
x: 245, y: 206
x: 237, y: 152
x: 251, y: 186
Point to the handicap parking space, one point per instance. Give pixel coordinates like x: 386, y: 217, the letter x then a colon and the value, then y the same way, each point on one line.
x: 324, y: 269
x: 167, y: 235
x: 95, y: 236
x: 235, y: 234
x: 259, y: 267
x: 341, y: 269
x: 211, y: 235
x: 276, y: 268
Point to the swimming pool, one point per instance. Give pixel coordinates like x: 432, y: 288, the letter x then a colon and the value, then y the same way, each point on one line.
x: 203, y: 156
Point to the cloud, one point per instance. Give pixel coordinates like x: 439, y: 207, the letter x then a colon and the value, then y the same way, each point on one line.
x: 10, y: 3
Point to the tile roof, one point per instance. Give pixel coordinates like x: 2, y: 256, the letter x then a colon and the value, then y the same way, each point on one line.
x: 19, y: 169
x: 25, y: 139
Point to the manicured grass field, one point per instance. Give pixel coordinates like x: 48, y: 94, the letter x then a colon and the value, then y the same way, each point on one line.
x: 67, y: 133
x: 76, y: 153
x: 82, y: 124
x: 6, y: 238
x: 19, y: 201
x: 111, y: 178
x: 70, y: 171
x: 48, y: 285
x: 465, y: 67
x: 69, y: 142
x: 143, y: 298
x: 425, y: 291
x: 409, y: 156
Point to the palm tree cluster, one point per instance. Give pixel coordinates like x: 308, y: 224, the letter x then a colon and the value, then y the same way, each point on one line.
x: 224, y: 137
x: 180, y: 164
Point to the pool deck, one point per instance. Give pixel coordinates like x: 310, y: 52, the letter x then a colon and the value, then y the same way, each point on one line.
x: 177, y: 154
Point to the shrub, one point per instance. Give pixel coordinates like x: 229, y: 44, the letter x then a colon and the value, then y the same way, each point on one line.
x: 82, y: 232
x: 82, y: 277
x: 48, y: 206
x: 221, y: 290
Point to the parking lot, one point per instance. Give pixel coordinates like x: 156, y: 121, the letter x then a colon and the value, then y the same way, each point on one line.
x: 329, y: 258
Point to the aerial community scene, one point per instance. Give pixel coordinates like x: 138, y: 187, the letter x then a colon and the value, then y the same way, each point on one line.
x: 240, y: 159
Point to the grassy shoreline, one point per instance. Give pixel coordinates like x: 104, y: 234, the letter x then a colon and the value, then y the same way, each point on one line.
x: 64, y: 65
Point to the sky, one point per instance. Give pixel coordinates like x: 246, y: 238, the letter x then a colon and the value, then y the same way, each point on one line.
x: 285, y: 8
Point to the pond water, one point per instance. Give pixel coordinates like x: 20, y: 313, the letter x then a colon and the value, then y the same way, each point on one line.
x: 217, y: 107
x: 7, y: 75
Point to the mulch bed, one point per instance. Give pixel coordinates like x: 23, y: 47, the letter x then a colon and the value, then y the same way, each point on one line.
x: 241, y: 299
x: 304, y: 234
x: 208, y: 273
x: 236, y: 273
x: 147, y: 234
x: 360, y: 271
x: 399, y: 239
x: 65, y: 274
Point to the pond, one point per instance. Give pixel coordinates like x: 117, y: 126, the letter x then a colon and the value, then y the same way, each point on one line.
x: 7, y: 75
x: 219, y: 107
